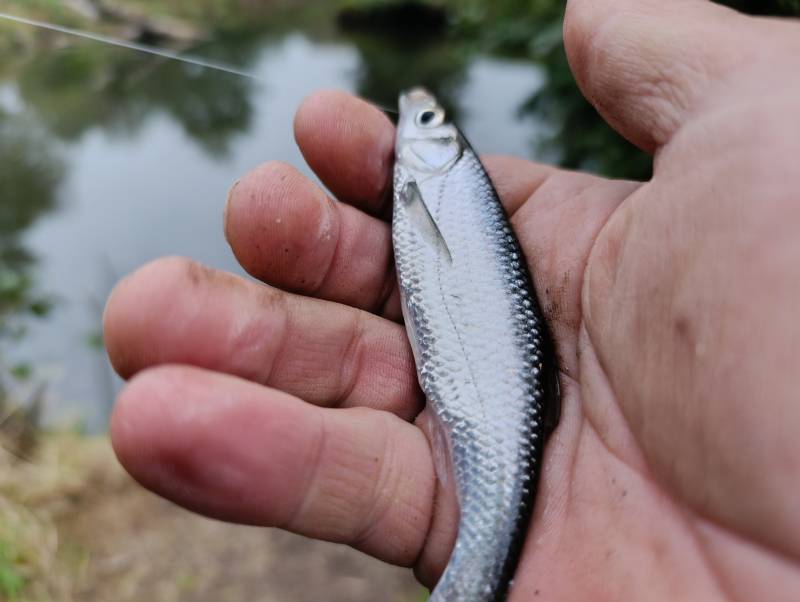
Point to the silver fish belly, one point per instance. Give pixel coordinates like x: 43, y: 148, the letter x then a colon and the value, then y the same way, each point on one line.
x: 483, y: 353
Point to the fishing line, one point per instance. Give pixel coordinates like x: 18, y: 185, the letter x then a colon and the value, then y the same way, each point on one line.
x: 167, y: 54
x: 145, y: 48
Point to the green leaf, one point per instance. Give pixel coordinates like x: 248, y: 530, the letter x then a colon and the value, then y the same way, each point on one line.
x: 22, y: 371
x: 40, y: 307
x: 95, y: 341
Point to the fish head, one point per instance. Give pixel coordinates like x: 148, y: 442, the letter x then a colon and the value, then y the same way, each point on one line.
x: 426, y: 142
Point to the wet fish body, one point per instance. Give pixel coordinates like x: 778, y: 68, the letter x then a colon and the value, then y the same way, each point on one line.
x: 483, y: 353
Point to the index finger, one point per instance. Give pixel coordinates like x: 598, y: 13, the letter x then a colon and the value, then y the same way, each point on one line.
x: 352, y: 157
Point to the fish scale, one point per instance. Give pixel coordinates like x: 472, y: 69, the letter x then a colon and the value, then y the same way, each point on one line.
x: 484, y: 358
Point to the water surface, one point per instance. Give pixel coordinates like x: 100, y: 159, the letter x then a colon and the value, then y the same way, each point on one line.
x: 146, y: 149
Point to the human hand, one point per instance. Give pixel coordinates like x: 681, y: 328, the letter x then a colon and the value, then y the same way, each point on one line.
x: 673, y: 303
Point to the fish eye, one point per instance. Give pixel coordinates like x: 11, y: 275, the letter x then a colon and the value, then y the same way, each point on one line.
x: 430, y: 118
x: 426, y: 117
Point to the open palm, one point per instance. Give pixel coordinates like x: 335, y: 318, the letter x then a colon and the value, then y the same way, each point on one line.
x: 674, y: 473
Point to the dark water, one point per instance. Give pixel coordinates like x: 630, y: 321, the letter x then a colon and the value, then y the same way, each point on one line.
x: 109, y: 159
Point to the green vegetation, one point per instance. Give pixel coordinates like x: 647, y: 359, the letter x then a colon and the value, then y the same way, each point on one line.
x: 30, y: 170
x: 11, y: 581
x: 210, y: 106
x: 74, y: 527
x: 525, y: 29
x: 531, y: 29
x: 31, y: 567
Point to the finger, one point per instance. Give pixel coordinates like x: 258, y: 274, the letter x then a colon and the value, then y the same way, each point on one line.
x: 240, y: 452
x: 648, y: 65
x: 176, y: 311
x: 349, y: 144
x: 285, y: 230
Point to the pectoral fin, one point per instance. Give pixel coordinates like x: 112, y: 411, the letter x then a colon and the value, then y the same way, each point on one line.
x: 424, y: 218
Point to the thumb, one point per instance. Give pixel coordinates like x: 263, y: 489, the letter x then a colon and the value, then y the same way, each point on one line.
x: 648, y: 66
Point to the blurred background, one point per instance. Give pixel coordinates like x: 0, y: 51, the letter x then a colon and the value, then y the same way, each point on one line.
x: 111, y: 157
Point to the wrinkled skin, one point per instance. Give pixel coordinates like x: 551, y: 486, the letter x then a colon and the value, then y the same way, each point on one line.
x: 674, y: 474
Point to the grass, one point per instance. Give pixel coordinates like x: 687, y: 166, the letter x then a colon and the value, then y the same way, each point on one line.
x: 75, y: 528
x: 30, y: 569
x: 12, y: 581
x: 39, y: 474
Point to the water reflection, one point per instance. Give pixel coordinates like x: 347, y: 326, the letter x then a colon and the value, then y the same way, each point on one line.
x: 87, y: 86
x: 150, y: 148
x: 30, y: 173
x: 389, y: 64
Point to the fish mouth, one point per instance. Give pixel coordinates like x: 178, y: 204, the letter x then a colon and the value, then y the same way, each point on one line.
x: 416, y: 96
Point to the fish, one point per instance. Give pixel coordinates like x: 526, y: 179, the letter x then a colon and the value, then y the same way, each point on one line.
x: 484, y: 356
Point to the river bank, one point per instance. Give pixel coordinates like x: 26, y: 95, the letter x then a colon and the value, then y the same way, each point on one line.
x: 179, y: 25
x: 75, y: 528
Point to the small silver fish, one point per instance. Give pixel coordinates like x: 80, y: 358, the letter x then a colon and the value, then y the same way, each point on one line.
x: 484, y: 356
